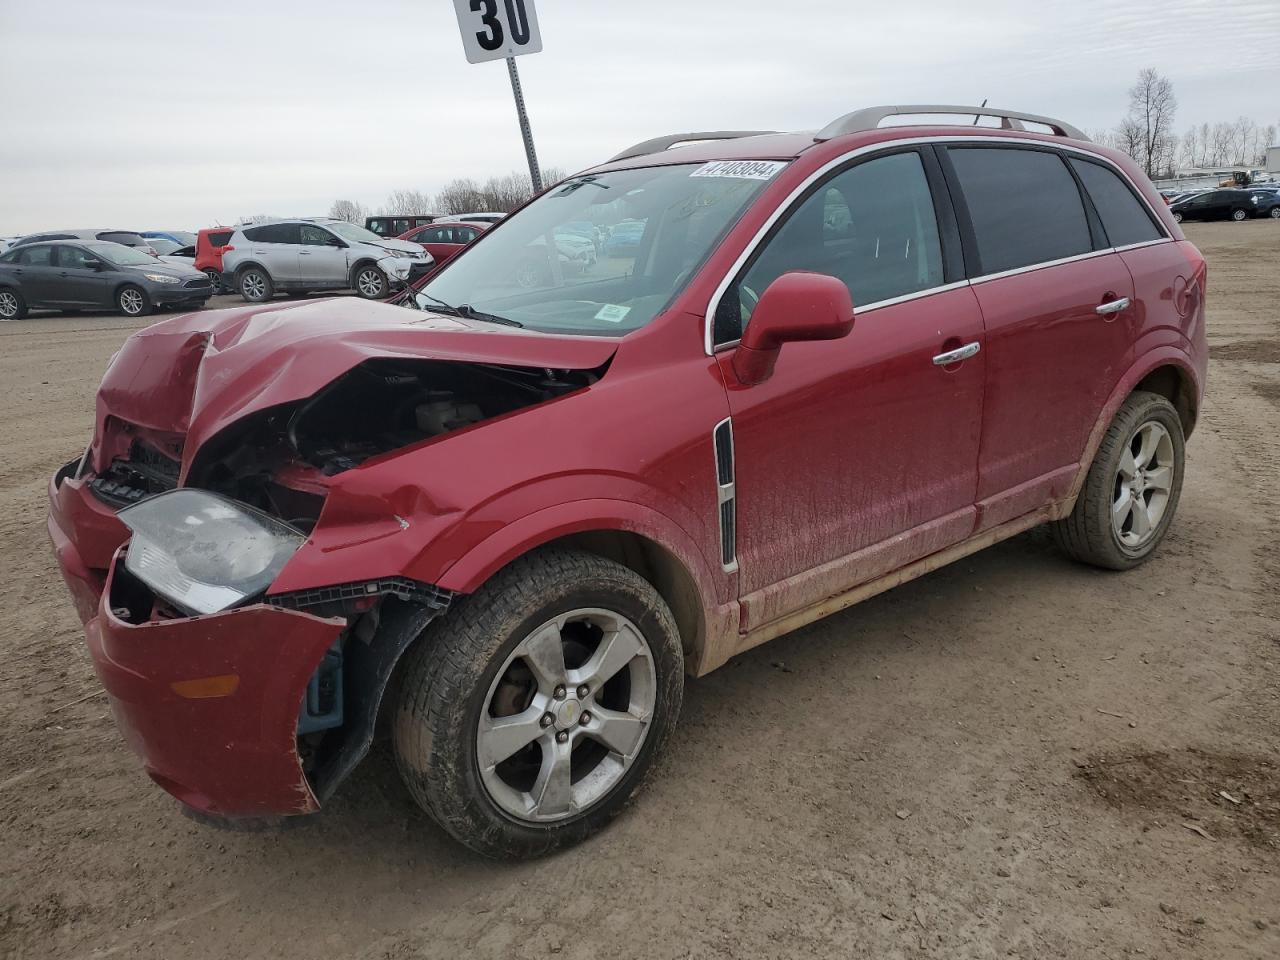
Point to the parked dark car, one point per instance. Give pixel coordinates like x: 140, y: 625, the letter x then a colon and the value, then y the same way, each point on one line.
x: 94, y: 275
x: 129, y: 238
x: 394, y: 226
x: 1215, y: 205
x: 1266, y: 202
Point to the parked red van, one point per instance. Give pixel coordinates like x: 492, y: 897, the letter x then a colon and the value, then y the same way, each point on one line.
x: 512, y: 517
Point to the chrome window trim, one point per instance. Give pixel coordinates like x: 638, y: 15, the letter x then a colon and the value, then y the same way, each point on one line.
x: 710, y: 347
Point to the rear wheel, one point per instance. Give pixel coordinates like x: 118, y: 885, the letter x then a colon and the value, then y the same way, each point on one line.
x: 1275, y: 213
x: 1238, y: 215
x: 215, y: 278
x: 371, y: 283
x: 255, y: 285
x: 532, y: 711
x: 1131, y: 492
x: 133, y: 301
x: 12, y: 306
x: 1177, y: 217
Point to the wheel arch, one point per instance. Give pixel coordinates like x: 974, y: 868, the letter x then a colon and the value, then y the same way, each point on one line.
x: 1166, y: 371
x: 365, y: 261
x: 250, y: 264
x: 637, y: 537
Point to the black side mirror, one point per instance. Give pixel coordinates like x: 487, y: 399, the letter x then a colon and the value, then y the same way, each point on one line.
x: 334, y: 242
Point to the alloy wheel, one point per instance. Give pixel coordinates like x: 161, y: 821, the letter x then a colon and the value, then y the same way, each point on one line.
x: 1238, y: 215
x: 566, y: 716
x: 132, y: 301
x: 214, y: 278
x: 370, y: 283
x: 253, y: 285
x: 1142, y: 485
x: 8, y: 305
x: 1275, y: 213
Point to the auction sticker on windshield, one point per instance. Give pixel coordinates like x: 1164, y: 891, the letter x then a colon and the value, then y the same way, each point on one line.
x: 740, y: 169
x: 613, y: 313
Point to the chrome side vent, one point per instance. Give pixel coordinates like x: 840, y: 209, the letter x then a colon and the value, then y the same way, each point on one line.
x: 725, y: 494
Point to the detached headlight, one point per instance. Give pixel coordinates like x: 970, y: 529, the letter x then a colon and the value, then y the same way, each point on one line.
x: 203, y: 552
x: 161, y: 278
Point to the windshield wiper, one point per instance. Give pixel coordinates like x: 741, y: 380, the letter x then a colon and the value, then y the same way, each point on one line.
x: 471, y: 313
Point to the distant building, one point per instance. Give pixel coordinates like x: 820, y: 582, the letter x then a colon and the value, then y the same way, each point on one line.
x: 1273, y: 161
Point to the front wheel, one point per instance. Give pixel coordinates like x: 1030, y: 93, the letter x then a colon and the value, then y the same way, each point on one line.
x: 1239, y: 215
x: 1131, y: 491
x: 1275, y: 213
x: 133, y: 301
x: 532, y: 711
x: 1177, y: 217
x: 371, y: 283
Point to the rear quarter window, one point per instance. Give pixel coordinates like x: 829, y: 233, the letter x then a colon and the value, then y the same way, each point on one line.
x: 1024, y: 204
x: 221, y: 238
x: 1123, y: 215
x: 120, y: 236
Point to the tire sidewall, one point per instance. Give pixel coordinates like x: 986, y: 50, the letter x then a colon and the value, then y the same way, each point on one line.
x: 1161, y: 411
x: 365, y: 268
x: 470, y: 811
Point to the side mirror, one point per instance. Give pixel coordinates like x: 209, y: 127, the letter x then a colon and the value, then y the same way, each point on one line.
x: 796, y: 306
x: 334, y: 242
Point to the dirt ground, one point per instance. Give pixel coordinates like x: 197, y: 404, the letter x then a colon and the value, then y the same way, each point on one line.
x: 1014, y: 756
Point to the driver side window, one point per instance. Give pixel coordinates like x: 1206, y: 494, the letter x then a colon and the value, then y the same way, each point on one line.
x: 871, y: 226
x: 315, y: 236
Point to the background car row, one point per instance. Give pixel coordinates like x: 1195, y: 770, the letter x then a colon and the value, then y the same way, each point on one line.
x: 1227, y: 204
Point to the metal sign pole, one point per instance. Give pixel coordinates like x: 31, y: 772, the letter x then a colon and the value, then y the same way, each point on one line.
x: 534, y: 173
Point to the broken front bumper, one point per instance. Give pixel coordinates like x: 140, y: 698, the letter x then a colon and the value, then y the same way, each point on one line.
x: 209, y: 703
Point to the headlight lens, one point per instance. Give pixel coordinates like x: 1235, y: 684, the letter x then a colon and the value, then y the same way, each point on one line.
x: 203, y: 552
x: 161, y: 278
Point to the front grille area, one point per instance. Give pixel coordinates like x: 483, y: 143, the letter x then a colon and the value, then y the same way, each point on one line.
x: 143, y: 474
x: 412, y: 591
x: 199, y: 283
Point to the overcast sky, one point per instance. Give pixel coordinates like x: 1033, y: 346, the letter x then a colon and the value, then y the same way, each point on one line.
x: 169, y: 115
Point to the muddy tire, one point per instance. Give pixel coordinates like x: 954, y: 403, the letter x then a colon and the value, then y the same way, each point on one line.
x: 1131, y: 492
x: 532, y: 711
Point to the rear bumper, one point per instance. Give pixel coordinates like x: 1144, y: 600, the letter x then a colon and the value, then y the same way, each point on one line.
x: 227, y: 746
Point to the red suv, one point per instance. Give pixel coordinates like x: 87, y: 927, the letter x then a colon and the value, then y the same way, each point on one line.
x: 210, y: 243
x: 510, y: 518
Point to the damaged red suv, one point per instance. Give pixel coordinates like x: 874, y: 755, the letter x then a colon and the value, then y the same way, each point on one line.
x: 508, y: 519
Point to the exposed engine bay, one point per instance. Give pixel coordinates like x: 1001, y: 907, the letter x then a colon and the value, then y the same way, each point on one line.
x: 274, y: 459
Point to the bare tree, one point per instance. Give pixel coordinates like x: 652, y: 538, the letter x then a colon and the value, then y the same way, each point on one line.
x: 347, y: 210
x: 1151, y: 107
x: 498, y: 194
x: 406, y: 202
x: 462, y: 195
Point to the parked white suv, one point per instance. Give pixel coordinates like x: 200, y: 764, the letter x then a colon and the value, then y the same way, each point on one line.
x: 298, y: 256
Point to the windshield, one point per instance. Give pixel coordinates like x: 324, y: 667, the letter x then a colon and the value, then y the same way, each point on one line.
x: 162, y: 246
x: 120, y: 255
x: 601, y: 254
x: 356, y: 234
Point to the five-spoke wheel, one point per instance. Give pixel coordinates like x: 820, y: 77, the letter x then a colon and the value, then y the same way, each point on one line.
x: 531, y: 711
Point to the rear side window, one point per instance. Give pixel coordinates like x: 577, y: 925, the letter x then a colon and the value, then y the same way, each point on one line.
x: 1025, y: 206
x: 1123, y: 215
x: 38, y: 256
x: 120, y: 236
x: 220, y: 238
x: 275, y: 233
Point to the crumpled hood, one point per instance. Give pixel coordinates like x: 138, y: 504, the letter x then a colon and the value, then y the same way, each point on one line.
x: 196, y: 374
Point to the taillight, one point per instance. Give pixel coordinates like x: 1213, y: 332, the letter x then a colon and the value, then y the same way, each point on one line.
x: 224, y: 249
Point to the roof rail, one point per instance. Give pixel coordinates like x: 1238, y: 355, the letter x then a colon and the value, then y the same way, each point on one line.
x: 869, y: 118
x: 658, y: 144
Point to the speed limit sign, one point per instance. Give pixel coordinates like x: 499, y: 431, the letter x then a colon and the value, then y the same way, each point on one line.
x: 497, y: 29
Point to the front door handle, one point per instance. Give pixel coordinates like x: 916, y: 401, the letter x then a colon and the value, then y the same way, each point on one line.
x: 956, y: 355
x: 1114, y: 306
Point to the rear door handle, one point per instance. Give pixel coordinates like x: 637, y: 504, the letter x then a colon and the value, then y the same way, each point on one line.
x: 1115, y: 306
x: 956, y: 355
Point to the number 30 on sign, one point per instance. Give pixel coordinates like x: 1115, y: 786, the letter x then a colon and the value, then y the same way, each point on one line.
x: 497, y: 29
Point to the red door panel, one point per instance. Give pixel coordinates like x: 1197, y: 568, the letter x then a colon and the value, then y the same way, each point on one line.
x: 851, y: 444
x: 1052, y: 361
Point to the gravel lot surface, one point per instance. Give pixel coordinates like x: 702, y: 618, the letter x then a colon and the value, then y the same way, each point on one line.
x: 1014, y: 756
